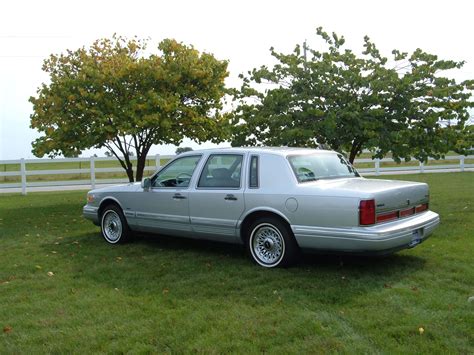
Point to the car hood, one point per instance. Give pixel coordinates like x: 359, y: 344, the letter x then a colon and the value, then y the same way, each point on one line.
x: 132, y: 186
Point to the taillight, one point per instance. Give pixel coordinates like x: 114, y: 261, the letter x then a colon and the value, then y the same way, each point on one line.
x: 367, y: 212
x: 387, y: 216
x: 421, y: 208
x: 407, y: 212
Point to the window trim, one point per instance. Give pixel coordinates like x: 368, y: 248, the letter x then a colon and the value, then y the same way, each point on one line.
x: 155, y: 176
x: 257, y: 157
x: 197, y: 187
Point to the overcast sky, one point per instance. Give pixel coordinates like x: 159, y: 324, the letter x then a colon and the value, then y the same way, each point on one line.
x: 240, y: 31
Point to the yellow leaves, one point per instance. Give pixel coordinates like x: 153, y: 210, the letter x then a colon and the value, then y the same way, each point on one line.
x: 421, y: 330
x: 50, y: 273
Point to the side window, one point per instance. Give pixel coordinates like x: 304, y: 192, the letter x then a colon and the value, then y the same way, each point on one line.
x: 253, y: 174
x: 178, y: 173
x: 222, y: 171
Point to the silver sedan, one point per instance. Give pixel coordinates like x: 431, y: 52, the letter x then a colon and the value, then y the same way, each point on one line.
x: 275, y: 201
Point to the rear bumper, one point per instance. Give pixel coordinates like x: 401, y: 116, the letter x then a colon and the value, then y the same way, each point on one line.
x: 385, y: 237
x: 91, y: 213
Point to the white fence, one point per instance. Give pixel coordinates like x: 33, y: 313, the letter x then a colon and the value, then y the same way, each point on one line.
x: 92, y: 170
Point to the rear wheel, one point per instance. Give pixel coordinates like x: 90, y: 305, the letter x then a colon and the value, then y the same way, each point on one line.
x: 114, y: 226
x: 271, y: 243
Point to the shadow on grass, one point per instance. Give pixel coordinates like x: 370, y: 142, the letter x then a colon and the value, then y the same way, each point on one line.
x: 196, y: 269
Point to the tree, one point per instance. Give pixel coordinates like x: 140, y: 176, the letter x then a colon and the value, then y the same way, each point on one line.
x: 180, y: 150
x: 114, y: 95
x: 353, y: 102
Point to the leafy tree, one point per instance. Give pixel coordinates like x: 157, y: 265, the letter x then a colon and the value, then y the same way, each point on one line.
x: 117, y: 96
x: 353, y: 102
x: 180, y: 150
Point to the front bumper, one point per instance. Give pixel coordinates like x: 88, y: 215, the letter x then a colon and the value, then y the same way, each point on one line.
x: 91, y: 213
x: 385, y: 237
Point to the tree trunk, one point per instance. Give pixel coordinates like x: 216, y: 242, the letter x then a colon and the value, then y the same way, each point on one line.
x: 141, y: 161
x: 356, y: 146
x: 129, y: 171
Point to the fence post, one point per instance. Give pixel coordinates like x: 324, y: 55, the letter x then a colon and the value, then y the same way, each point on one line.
x: 93, y: 172
x: 157, y: 161
x: 377, y: 166
x: 23, y: 176
x: 461, y: 162
x: 422, y: 167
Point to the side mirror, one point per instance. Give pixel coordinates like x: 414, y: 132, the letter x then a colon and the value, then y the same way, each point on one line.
x: 146, y: 184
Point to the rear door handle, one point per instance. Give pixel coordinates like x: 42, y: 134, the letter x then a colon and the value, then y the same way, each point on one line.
x: 178, y: 197
x: 230, y: 197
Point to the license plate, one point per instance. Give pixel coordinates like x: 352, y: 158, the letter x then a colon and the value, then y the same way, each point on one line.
x: 416, y: 237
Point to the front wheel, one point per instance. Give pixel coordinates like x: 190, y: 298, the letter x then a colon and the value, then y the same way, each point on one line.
x: 114, y: 226
x: 271, y: 243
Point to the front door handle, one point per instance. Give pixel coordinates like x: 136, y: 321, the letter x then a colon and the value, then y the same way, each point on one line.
x: 230, y: 197
x: 178, y: 196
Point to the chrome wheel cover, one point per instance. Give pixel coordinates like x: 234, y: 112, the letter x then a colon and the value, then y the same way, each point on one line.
x: 267, y: 245
x: 111, y: 226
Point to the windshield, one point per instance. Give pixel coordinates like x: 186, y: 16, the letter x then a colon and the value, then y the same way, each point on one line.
x: 321, y: 166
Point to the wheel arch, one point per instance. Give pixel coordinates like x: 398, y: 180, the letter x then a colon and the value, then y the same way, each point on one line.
x: 253, y: 215
x: 106, y: 201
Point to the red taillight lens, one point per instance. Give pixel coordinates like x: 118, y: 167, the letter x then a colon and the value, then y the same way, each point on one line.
x: 407, y: 212
x: 367, y: 212
x: 387, y: 216
x: 421, y: 208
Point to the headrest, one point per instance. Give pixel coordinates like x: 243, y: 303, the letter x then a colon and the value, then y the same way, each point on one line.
x: 221, y: 173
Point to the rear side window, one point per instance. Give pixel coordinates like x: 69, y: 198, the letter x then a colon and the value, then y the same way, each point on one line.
x: 221, y: 171
x: 253, y: 174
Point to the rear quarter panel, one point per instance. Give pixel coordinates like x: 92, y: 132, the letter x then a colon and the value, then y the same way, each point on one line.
x: 280, y: 192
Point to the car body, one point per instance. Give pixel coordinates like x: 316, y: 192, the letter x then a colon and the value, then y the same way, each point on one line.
x: 276, y: 201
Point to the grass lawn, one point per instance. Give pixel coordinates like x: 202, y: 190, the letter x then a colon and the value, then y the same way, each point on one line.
x: 160, y: 294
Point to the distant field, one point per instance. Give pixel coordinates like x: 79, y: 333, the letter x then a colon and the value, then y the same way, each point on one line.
x: 64, y: 290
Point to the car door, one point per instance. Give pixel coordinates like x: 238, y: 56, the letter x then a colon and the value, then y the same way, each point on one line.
x: 164, y: 207
x: 217, y: 202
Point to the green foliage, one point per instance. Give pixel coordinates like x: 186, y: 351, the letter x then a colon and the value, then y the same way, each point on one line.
x: 352, y: 102
x: 114, y: 95
x: 180, y: 150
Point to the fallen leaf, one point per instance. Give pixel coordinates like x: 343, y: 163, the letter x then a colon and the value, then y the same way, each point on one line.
x: 421, y: 330
x: 50, y: 273
x: 38, y: 267
x: 7, y: 329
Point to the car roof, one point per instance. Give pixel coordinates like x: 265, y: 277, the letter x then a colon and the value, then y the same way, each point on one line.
x: 283, y: 151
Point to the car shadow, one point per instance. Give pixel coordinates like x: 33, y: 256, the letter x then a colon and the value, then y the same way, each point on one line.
x: 201, y: 269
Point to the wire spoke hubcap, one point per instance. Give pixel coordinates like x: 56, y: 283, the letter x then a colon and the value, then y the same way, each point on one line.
x: 112, y: 225
x: 267, y: 244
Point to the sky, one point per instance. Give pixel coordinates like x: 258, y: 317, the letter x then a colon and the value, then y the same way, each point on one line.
x: 239, y: 31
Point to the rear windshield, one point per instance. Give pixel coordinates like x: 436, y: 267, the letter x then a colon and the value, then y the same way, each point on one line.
x: 311, y: 167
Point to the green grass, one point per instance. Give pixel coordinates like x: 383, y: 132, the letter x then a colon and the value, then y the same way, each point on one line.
x: 161, y: 294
